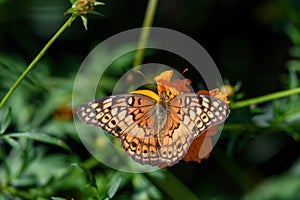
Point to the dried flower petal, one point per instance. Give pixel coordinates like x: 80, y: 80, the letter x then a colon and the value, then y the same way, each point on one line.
x: 175, y: 87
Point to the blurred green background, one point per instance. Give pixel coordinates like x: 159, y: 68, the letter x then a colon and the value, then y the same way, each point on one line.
x: 255, y: 45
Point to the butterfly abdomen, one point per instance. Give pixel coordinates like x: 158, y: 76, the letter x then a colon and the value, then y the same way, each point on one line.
x: 159, y: 118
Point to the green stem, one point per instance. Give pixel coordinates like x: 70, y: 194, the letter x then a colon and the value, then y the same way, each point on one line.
x: 90, y: 163
x: 172, y: 186
x: 265, y: 98
x: 19, y: 193
x: 244, y: 179
x: 16, y: 193
x: 144, y: 36
x: 33, y: 63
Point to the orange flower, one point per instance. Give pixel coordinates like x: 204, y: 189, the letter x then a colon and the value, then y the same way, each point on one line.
x: 176, y: 86
x: 165, y: 84
x: 63, y: 113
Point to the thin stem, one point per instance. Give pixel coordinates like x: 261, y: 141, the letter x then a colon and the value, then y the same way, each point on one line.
x: 144, y: 36
x: 265, y: 98
x: 19, y: 193
x: 172, y: 186
x: 33, y: 63
x: 243, y: 179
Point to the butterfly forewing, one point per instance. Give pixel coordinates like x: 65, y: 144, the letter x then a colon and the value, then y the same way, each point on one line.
x: 116, y: 114
x: 200, y: 110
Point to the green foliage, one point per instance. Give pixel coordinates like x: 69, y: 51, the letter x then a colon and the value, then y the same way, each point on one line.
x: 284, y: 186
x: 28, y: 169
x: 100, y: 191
x: 5, y: 119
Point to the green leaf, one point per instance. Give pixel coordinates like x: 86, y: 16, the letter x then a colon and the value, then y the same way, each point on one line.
x: 84, y: 21
x: 295, y: 169
x: 69, y: 11
x: 144, y: 188
x: 97, y: 13
x: 12, y: 142
x: 99, y: 3
x: 293, y: 33
x: 295, y: 52
x: 282, y: 187
x: 57, y: 198
x: 88, y: 173
x: 5, y: 173
x: 114, y: 188
x: 5, y: 120
x: 41, y: 137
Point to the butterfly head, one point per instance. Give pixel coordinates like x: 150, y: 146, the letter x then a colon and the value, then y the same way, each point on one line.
x: 166, y: 92
x: 168, y: 88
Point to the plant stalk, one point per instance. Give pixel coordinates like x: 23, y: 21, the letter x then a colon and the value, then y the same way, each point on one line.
x: 264, y: 98
x: 144, y: 36
x: 33, y: 63
x: 172, y: 186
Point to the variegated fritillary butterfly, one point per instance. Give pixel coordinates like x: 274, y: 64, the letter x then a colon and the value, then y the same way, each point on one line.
x: 155, y: 129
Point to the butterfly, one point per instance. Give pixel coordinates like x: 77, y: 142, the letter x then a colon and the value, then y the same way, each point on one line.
x: 155, y: 130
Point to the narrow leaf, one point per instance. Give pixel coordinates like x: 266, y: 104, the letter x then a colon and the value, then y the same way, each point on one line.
x: 88, y: 173
x: 5, y: 121
x: 114, y: 188
x: 41, y: 137
x: 84, y: 21
x: 12, y: 142
x: 57, y: 198
x: 97, y: 13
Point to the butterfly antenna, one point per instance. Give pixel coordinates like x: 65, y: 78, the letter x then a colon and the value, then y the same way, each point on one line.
x: 181, y: 74
x: 150, y: 82
x: 185, y: 70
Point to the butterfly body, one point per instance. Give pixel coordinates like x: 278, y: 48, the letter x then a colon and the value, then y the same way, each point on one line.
x: 155, y: 130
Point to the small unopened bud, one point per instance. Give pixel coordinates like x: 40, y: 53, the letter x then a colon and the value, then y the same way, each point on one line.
x: 84, y: 7
x: 228, y: 89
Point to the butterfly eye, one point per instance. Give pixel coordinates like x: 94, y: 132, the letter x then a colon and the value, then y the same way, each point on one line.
x: 169, y: 93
